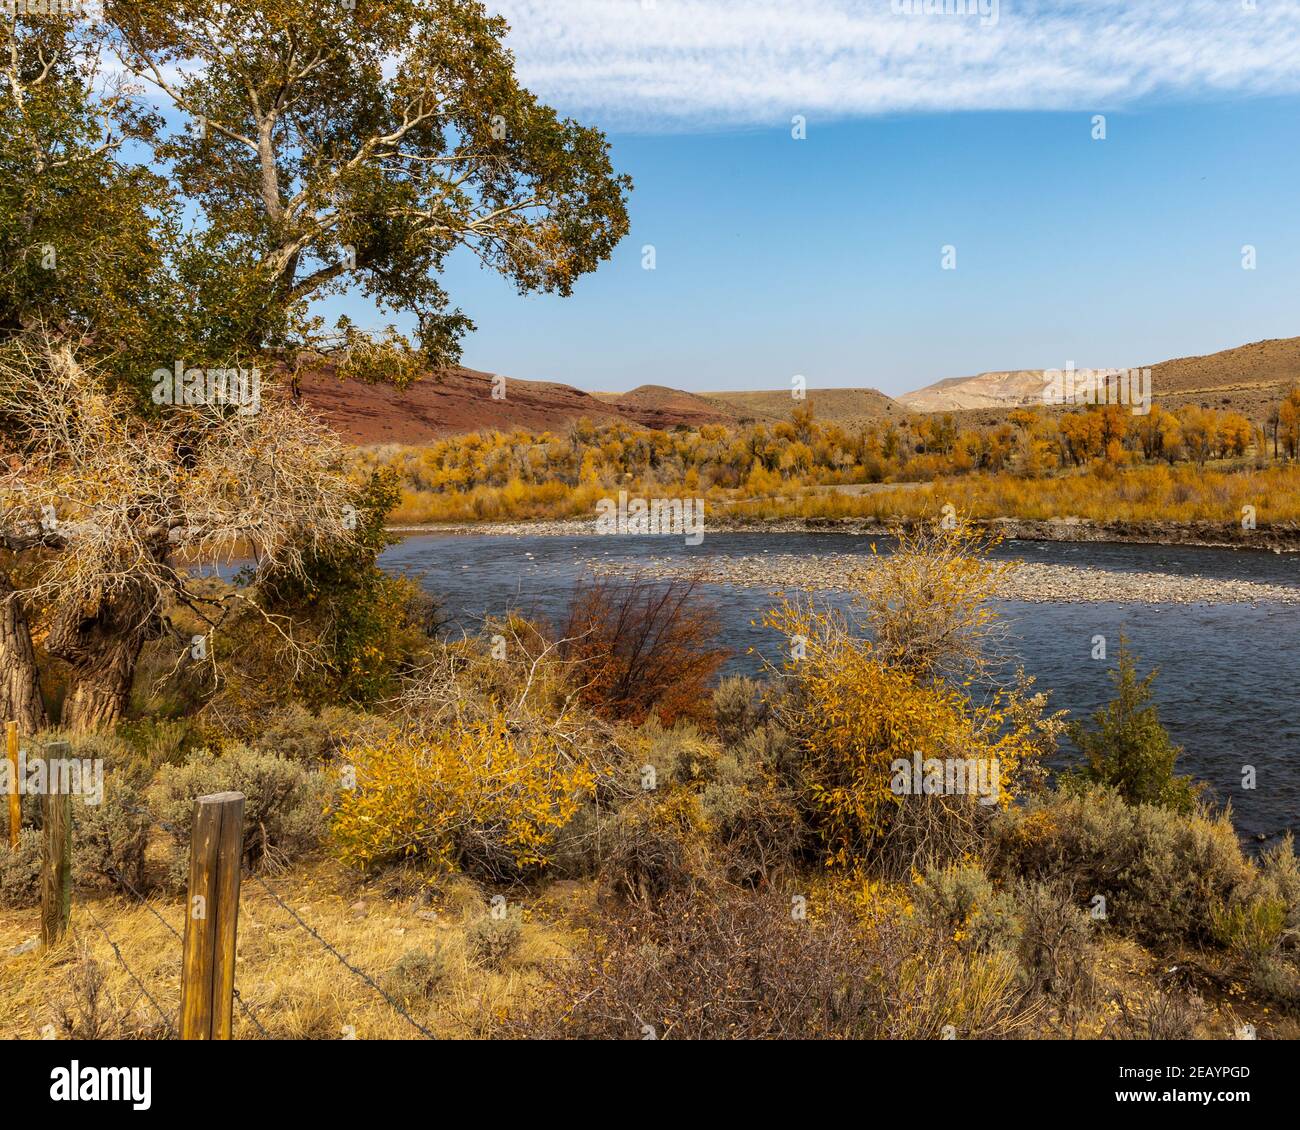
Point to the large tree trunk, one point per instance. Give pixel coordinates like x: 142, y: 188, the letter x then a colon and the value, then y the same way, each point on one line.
x: 20, y: 685
x: 101, y: 649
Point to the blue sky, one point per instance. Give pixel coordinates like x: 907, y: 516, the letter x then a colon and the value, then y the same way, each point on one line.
x: 822, y: 257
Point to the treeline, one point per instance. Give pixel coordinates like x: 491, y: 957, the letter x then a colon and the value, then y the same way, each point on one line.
x: 521, y: 474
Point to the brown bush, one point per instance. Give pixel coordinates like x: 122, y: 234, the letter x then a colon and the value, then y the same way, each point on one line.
x: 1164, y: 1016
x: 656, y: 846
x: 20, y: 870
x: 739, y: 965
x: 1056, y: 956
x: 732, y: 967
x: 641, y: 646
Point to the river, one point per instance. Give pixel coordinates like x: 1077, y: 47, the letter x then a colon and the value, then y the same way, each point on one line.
x: 1229, y: 673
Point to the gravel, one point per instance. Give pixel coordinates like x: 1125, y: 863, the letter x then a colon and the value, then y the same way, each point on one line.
x: 1034, y: 582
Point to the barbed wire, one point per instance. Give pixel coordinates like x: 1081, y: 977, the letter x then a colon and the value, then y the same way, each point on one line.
x: 247, y: 1009
x: 171, y: 1028
x: 394, y: 1004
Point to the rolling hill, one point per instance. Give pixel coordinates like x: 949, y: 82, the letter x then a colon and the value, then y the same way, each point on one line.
x: 459, y: 401
x: 1247, y: 378
x: 848, y: 407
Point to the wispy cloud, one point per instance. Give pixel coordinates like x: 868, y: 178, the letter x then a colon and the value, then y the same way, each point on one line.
x: 671, y: 64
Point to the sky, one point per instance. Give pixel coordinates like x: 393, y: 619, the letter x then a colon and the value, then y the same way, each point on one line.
x: 973, y: 130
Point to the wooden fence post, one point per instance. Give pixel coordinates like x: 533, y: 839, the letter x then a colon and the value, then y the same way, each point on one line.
x: 15, y: 799
x: 212, y: 914
x: 56, y: 867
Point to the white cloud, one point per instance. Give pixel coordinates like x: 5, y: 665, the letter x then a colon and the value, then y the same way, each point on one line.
x: 670, y: 64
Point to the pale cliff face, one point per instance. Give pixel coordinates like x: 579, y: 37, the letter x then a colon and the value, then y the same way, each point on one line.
x: 1004, y: 389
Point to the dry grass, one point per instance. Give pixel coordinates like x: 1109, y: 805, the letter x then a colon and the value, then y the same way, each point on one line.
x: 298, y: 991
x: 293, y: 985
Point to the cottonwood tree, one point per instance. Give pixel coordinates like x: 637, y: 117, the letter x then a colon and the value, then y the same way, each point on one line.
x: 84, y: 234
x: 333, y: 146
x: 117, y: 507
x: 187, y: 205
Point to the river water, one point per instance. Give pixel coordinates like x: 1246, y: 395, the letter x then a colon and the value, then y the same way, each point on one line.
x: 1228, y: 674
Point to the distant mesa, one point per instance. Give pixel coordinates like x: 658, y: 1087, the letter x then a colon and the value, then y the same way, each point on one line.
x: 847, y: 407
x: 1247, y: 378
x: 1006, y: 389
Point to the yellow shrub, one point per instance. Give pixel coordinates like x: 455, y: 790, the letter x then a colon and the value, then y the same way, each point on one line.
x: 857, y: 716
x: 473, y: 795
x: 898, y: 759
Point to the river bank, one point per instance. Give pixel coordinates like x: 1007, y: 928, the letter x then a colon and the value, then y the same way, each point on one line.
x: 1278, y: 538
x: 1032, y: 582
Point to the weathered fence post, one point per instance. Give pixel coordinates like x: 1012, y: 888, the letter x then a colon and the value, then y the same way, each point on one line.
x: 56, y: 868
x: 15, y: 798
x: 208, y: 970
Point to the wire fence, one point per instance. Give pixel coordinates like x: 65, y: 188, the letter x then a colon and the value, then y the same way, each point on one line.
x: 248, y: 1011
x: 117, y: 953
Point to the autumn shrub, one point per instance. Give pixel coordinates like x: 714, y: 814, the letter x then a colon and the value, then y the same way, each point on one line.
x: 88, y: 1009
x: 110, y: 838
x: 477, y: 796
x: 1279, y: 878
x: 735, y: 964
x: 928, y: 987
x: 1162, y: 1016
x: 494, y: 937
x: 577, y: 848
x: 294, y: 732
x: 1276, y: 978
x: 1160, y: 873
x: 926, y: 604
x: 960, y: 902
x: 736, y: 708
x: 1054, y: 948
x: 20, y: 870
x: 283, y: 807
x: 513, y: 668
x: 751, y: 806
x: 655, y: 846
x: 110, y: 826
x: 866, y: 692
x: 722, y: 966
x: 144, y: 745
x: 300, y: 734
x: 857, y: 719
x: 641, y: 646
x: 418, y: 974
x: 678, y: 755
x: 1251, y: 928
